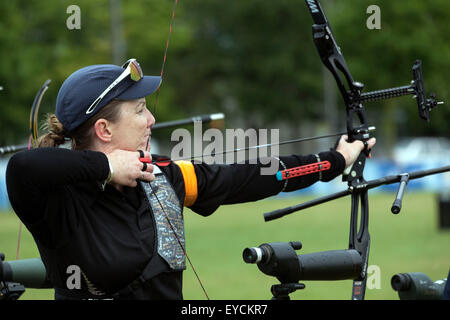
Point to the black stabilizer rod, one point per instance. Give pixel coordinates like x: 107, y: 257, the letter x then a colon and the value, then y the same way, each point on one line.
x: 397, y: 205
x: 367, y: 185
x: 282, y: 212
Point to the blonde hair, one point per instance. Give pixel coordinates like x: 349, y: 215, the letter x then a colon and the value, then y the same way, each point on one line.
x: 82, y: 136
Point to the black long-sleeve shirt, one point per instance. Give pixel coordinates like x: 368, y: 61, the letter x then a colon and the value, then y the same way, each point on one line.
x: 110, y: 234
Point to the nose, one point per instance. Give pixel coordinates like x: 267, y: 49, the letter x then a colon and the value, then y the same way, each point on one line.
x: 150, y: 119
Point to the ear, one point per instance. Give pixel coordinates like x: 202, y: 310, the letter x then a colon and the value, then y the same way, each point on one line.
x: 102, y: 130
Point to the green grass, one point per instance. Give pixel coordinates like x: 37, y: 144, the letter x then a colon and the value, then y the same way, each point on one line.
x: 408, y: 242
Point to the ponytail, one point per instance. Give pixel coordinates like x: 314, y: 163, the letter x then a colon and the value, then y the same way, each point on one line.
x: 55, y: 132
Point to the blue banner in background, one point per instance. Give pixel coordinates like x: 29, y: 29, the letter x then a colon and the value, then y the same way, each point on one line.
x: 4, y: 201
x: 374, y: 169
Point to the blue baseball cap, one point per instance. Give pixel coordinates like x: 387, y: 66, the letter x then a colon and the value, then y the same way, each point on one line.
x: 83, y: 86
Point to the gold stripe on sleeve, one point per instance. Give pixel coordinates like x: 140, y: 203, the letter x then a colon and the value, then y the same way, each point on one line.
x: 190, y: 182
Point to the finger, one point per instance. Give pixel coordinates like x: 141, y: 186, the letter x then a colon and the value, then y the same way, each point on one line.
x: 371, y: 142
x: 148, y: 167
x: 339, y: 142
x: 360, y: 144
x: 147, y: 176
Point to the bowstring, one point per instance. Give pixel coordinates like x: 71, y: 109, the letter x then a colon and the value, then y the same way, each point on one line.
x: 165, y: 54
x: 147, y: 149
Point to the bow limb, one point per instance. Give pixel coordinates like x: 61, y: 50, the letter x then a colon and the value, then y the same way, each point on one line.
x: 34, y: 131
x: 33, y: 140
x: 331, y: 55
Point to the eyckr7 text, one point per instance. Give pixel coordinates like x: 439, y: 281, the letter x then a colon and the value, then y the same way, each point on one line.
x: 245, y: 309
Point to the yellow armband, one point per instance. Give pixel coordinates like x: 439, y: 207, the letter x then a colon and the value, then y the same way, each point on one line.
x: 190, y: 182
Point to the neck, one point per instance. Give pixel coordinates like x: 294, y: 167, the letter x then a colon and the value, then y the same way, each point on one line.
x: 106, y: 148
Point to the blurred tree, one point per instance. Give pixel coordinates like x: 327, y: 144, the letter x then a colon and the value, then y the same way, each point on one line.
x: 384, y: 58
x: 254, y: 60
x: 37, y: 45
x: 251, y: 59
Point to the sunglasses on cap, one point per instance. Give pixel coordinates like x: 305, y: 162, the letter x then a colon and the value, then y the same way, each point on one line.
x: 132, y: 68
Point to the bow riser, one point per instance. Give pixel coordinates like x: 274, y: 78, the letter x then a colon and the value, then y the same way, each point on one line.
x: 357, y: 129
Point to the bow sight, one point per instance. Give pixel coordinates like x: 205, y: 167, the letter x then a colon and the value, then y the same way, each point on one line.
x: 416, y: 88
x: 279, y: 259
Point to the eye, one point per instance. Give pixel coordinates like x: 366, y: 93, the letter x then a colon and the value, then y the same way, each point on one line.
x: 141, y: 108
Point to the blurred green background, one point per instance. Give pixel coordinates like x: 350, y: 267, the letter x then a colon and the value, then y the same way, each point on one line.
x: 408, y: 242
x: 254, y: 61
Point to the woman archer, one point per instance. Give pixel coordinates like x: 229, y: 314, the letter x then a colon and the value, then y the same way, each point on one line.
x: 108, y: 207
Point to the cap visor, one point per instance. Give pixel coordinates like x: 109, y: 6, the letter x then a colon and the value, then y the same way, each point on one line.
x: 144, y: 87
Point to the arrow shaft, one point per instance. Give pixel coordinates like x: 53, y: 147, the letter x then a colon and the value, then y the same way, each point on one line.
x: 297, y: 140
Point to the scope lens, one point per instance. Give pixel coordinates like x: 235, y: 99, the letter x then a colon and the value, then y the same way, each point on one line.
x: 401, y: 282
x: 252, y: 255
